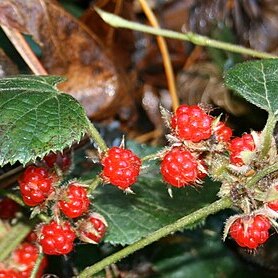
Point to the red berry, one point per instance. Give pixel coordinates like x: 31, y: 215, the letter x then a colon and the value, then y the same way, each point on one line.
x: 25, y: 257
x: 9, y: 273
x: 250, y: 231
x: 121, y: 167
x: 191, y: 123
x: 63, y: 161
x: 223, y: 133
x: 8, y: 208
x: 273, y: 205
x: 179, y: 167
x: 35, y: 184
x: 74, y: 201
x: 92, y: 229
x: 238, y: 145
x: 56, y: 239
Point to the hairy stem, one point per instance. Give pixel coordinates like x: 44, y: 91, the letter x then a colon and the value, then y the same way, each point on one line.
x: 117, y: 21
x: 176, y: 226
x: 94, y: 134
x: 261, y: 174
x: 37, y: 266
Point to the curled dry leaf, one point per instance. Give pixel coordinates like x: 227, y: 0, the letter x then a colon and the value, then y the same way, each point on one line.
x: 70, y: 49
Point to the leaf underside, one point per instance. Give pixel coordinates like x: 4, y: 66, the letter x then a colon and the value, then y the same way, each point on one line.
x: 36, y: 118
x: 257, y: 82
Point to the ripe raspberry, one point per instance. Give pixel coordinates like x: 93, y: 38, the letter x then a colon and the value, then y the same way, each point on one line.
x: 25, y: 257
x: 223, y: 133
x: 74, y: 201
x: 56, y: 239
x: 191, y: 123
x: 9, y: 273
x: 179, y: 167
x: 8, y: 208
x: 238, y: 145
x: 92, y: 229
x: 250, y: 232
x: 121, y: 167
x: 35, y: 184
x: 63, y: 161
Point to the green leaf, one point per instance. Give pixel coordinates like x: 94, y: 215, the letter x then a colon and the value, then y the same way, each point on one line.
x: 36, y: 118
x: 133, y: 216
x: 257, y: 82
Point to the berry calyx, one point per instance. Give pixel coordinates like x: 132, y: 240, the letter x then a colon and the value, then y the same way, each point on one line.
x: 191, y: 123
x: 250, y: 231
x: 56, y: 239
x: 8, y: 208
x: 223, y: 133
x: 74, y: 201
x: 179, y: 167
x: 25, y: 257
x: 92, y: 229
x: 35, y: 185
x: 239, y: 145
x: 121, y: 167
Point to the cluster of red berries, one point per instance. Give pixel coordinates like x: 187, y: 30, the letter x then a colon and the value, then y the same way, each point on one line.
x: 195, y: 135
x: 182, y: 164
x: 22, y: 261
x: 39, y: 186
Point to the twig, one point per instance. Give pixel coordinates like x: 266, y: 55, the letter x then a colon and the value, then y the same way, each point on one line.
x: 165, y: 55
x: 24, y: 50
x: 117, y: 21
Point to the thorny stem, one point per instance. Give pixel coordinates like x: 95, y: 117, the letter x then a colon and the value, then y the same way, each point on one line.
x: 264, y: 172
x: 176, y: 226
x: 37, y: 266
x: 267, y: 135
x: 196, y: 39
x: 164, y: 53
x: 94, y: 134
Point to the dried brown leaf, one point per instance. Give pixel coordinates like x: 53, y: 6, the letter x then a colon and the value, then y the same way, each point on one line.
x: 70, y: 49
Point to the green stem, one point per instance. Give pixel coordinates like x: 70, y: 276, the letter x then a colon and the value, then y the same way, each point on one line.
x: 12, y: 239
x: 37, y: 266
x: 95, y: 183
x: 94, y: 134
x: 264, y: 172
x: 176, y: 226
x: 117, y: 21
x: 267, y: 135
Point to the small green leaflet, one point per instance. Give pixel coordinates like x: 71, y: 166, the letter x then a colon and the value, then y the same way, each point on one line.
x: 257, y: 82
x: 36, y: 118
